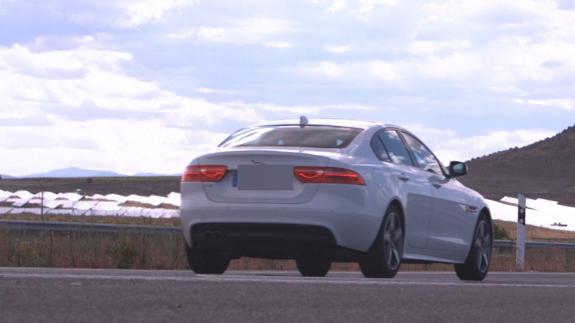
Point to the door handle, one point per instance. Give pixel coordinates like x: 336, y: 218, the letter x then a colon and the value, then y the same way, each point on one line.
x: 436, y: 185
x: 403, y: 177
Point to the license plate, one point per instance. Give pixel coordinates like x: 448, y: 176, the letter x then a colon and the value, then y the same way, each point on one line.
x: 265, y: 177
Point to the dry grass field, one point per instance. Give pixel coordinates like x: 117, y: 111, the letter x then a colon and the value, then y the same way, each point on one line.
x: 166, y: 251
x: 534, y: 233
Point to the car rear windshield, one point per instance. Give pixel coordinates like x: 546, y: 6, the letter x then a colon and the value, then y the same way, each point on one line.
x: 293, y: 136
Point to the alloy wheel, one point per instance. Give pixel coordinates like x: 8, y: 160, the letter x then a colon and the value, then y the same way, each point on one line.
x: 393, y: 241
x: 482, y: 246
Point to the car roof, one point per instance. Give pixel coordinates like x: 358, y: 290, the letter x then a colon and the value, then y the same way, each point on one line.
x: 321, y: 122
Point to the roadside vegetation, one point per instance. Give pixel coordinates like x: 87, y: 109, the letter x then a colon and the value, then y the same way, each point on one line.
x: 166, y: 251
x: 499, y: 232
x: 534, y: 233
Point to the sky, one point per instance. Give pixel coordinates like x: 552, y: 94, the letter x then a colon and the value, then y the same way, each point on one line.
x: 146, y: 85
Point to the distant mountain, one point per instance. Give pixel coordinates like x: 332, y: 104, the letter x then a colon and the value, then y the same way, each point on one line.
x: 545, y: 169
x: 76, y: 172
x: 151, y: 175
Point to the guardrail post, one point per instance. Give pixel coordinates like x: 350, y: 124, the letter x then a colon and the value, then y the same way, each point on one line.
x: 520, y: 241
x: 51, y: 249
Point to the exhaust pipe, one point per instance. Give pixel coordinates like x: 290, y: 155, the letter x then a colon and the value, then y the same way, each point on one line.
x: 210, y: 235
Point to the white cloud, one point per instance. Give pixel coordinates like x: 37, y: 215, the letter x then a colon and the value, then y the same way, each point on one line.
x: 54, y: 64
x: 507, y: 62
x: 337, y: 5
x: 366, y: 7
x: 337, y: 49
x: 129, y: 147
x: 301, y: 109
x: 97, y: 115
x: 511, y: 41
x: 205, y: 90
x: 71, y: 79
x: 119, y: 13
x: 431, y: 47
x: 362, y: 9
x: 139, y: 12
x: 279, y: 45
x: 510, y: 12
x: 324, y: 68
x: 256, y: 30
x: 203, y: 33
x: 510, y: 48
x: 357, y: 72
x: 565, y: 104
x: 491, y: 58
x: 2, y: 5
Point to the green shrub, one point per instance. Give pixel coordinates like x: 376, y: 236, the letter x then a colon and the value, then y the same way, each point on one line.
x: 500, y: 233
x: 124, y: 254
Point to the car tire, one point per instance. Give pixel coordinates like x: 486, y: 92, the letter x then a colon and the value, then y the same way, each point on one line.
x: 207, y: 262
x: 310, y: 266
x: 476, y: 265
x: 384, y: 257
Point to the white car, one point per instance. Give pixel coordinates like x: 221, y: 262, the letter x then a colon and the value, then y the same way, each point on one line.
x: 324, y: 191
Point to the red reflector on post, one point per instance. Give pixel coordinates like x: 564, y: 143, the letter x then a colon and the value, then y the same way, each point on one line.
x: 327, y: 175
x: 204, y: 173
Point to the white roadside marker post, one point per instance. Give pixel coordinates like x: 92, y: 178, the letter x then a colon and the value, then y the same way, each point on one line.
x: 42, y: 206
x: 520, y: 241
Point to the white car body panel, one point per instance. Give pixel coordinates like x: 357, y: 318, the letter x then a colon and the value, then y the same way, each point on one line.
x: 439, y: 220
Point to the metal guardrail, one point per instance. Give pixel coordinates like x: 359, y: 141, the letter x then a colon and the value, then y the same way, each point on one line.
x: 535, y: 244
x: 86, y: 227
x: 152, y: 229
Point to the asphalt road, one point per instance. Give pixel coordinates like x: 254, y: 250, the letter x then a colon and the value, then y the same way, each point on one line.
x: 85, y: 295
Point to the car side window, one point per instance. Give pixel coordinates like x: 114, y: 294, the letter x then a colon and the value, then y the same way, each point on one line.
x: 396, y: 150
x: 379, y: 149
x: 423, y: 156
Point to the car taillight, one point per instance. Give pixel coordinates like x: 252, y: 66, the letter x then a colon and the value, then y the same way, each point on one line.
x: 327, y: 175
x: 204, y: 173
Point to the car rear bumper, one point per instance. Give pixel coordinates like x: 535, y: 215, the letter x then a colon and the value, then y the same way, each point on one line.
x: 268, y: 240
x: 280, y: 224
x: 346, y: 214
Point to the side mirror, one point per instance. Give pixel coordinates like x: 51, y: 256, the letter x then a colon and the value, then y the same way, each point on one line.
x: 457, y: 169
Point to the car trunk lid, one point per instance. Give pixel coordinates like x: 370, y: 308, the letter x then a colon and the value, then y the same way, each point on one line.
x: 263, y: 175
